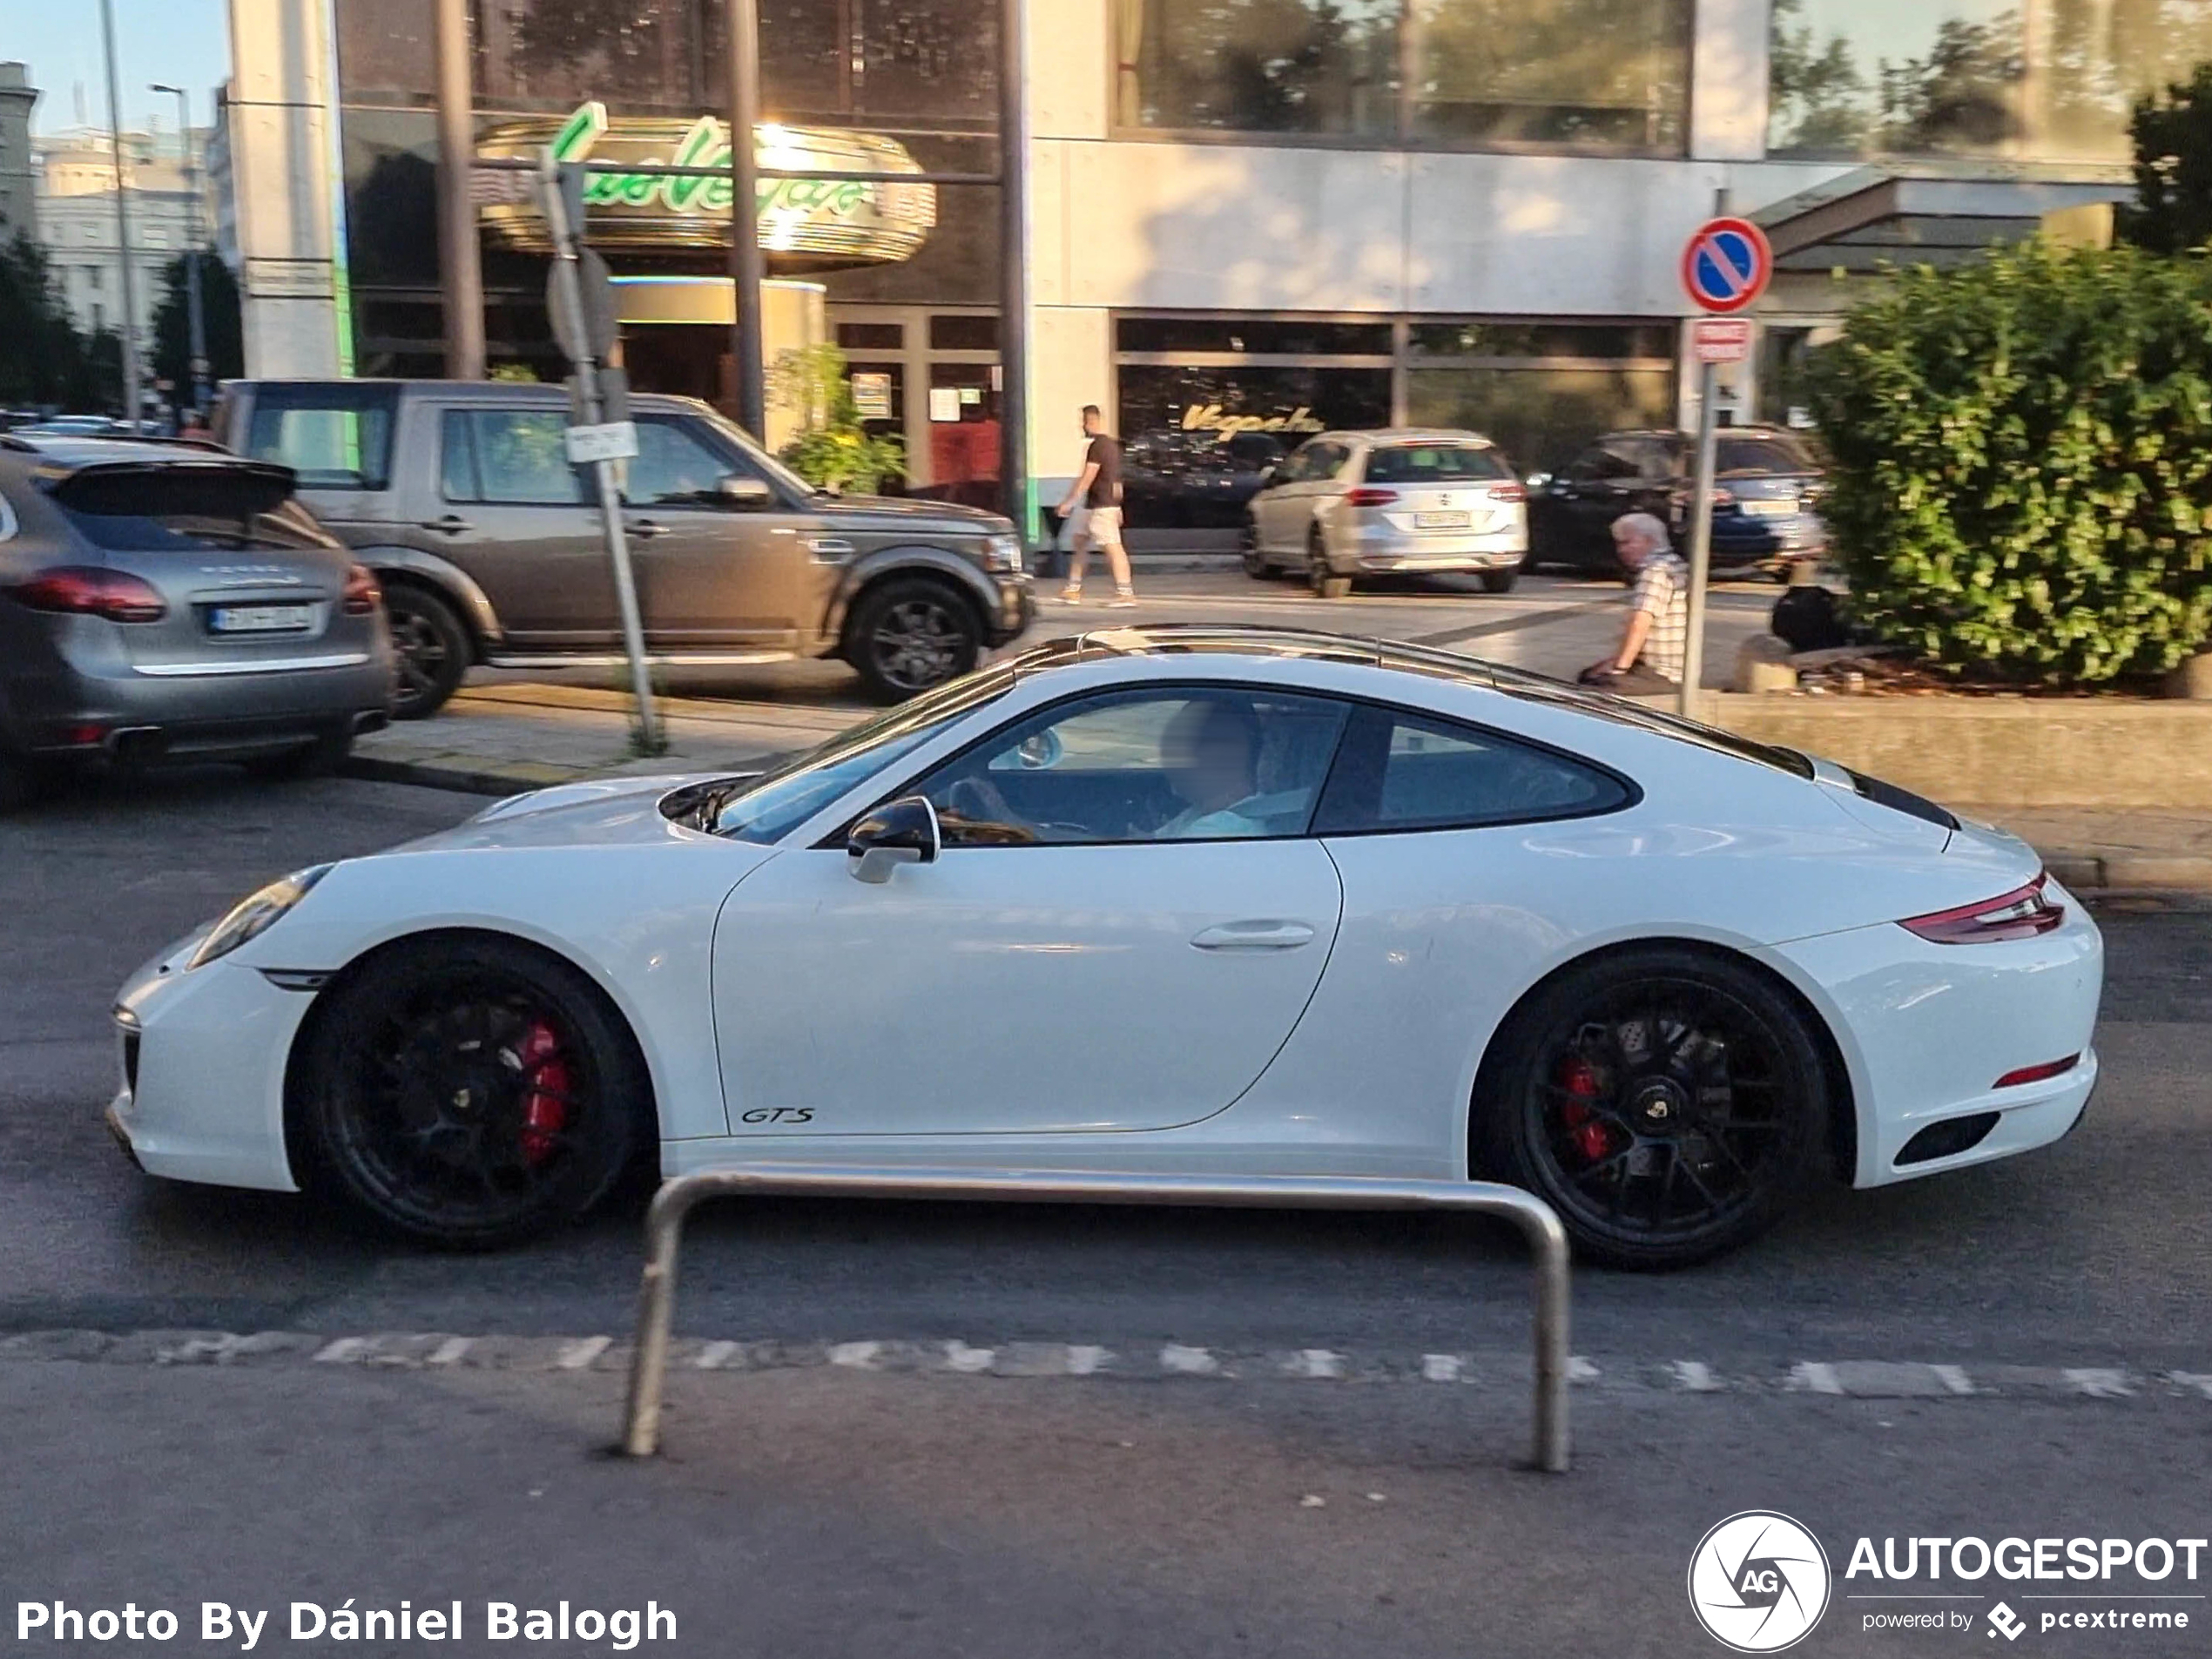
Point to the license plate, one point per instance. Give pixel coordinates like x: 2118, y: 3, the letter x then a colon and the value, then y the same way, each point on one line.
x: 1775, y: 507
x: 260, y: 619
x: 1441, y: 521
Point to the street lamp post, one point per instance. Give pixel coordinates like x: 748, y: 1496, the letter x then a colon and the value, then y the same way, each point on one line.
x: 130, y: 410
x: 193, y: 309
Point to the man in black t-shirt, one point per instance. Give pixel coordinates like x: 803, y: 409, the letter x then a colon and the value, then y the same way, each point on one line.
x: 1097, y: 494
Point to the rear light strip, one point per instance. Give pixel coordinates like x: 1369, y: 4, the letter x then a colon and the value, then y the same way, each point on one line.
x: 2037, y: 1074
x: 1366, y: 496
x: 90, y: 590
x: 2022, y: 914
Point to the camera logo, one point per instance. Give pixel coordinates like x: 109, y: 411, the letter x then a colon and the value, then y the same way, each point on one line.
x: 1758, y: 1581
x: 2008, y: 1624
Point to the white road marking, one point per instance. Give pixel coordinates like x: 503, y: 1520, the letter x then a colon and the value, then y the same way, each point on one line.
x: 2200, y: 1380
x: 1581, y: 1370
x: 1953, y: 1377
x: 1086, y: 1361
x: 1319, y: 1363
x: 1813, y: 1375
x: 1192, y: 1362
x: 579, y: 1354
x: 1441, y: 1367
x: 1694, y: 1377
x: 714, y: 1355
x: 2099, y: 1384
x: 347, y: 1350
x: 859, y: 1355
x: 960, y: 1357
x: 451, y: 1352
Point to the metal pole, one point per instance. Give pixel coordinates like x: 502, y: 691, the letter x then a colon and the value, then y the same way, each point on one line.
x: 461, y: 266
x: 743, y: 19
x: 1550, y: 1448
x: 130, y: 408
x: 195, y: 314
x: 1700, y: 521
x: 1014, y: 269
x: 568, y: 295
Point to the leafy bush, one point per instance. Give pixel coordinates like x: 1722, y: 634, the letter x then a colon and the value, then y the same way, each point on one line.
x: 2022, y: 446
x: 833, y: 450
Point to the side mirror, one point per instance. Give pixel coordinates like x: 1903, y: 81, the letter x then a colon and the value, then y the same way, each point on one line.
x: 900, y: 832
x: 745, y: 494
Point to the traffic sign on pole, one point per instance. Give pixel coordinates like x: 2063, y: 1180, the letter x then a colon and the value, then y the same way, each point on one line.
x: 1721, y: 340
x: 1726, y: 265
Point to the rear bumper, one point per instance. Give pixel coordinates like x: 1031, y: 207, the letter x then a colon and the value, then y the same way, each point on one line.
x: 1374, y: 554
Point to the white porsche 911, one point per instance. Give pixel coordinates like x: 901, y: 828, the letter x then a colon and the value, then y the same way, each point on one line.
x: 1211, y: 901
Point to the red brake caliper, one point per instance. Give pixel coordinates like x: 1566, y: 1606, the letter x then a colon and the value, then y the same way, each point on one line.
x: 544, y: 1111
x: 1593, y: 1137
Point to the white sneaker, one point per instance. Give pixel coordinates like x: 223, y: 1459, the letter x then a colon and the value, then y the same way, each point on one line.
x: 1124, y: 600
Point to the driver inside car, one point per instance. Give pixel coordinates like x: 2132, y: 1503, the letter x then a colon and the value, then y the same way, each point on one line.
x: 1210, y: 759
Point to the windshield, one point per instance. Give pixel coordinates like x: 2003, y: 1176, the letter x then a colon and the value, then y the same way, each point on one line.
x: 1434, y: 463
x: 780, y: 802
x: 759, y: 458
x: 185, y: 509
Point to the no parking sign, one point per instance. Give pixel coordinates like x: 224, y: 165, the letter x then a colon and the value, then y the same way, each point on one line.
x: 1727, y: 264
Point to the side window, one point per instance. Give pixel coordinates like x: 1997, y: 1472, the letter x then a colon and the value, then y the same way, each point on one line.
x: 1291, y: 467
x: 1165, y: 763
x: 508, y: 457
x: 1408, y: 771
x: 1587, y: 467
x: 336, y: 437
x: 1326, y: 459
x: 674, y: 467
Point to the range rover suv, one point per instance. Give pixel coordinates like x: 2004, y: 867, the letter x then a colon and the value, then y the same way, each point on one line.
x: 489, y: 546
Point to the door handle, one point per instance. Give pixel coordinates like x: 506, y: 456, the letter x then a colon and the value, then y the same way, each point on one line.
x: 1254, y: 935
x: 451, y: 524
x: 644, y: 529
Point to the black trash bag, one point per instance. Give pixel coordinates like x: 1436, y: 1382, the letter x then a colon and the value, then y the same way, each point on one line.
x: 1809, y: 618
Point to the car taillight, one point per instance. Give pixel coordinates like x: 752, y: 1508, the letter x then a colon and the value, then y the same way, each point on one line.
x: 1365, y: 497
x: 86, y: 591
x: 362, y: 594
x: 1508, y: 492
x: 2021, y: 913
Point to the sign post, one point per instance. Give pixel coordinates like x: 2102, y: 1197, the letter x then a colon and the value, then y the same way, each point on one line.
x: 582, y: 313
x: 1724, y: 268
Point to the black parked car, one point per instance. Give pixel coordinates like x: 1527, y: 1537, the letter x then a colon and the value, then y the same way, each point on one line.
x: 1767, y: 489
x: 1195, y: 480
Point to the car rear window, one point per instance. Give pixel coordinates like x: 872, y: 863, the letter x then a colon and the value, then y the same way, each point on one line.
x: 155, y: 508
x: 1762, y: 455
x: 336, y: 437
x: 1438, y: 463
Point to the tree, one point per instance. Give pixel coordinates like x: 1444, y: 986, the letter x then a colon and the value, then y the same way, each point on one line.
x: 218, y: 305
x: 1817, y: 94
x: 834, y: 450
x: 44, y: 358
x: 2172, y: 211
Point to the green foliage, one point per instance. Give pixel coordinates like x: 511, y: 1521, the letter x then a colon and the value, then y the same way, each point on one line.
x: 219, y: 314
x: 2022, y: 476
x: 833, y: 450
x: 2172, y: 211
x: 42, y: 359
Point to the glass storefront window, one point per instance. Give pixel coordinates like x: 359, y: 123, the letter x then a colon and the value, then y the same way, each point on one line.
x: 2038, y: 79
x: 1600, y: 75
x: 1540, y: 416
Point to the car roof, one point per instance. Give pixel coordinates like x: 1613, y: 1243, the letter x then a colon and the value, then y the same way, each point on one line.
x: 68, y: 452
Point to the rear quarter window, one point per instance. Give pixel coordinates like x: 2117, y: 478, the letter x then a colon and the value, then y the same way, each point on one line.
x: 334, y: 437
x: 1401, y: 770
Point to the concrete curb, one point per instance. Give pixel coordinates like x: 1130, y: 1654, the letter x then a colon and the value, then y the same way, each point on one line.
x: 469, y: 777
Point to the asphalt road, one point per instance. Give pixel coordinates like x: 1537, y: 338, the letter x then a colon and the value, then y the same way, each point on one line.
x: 2091, y: 1253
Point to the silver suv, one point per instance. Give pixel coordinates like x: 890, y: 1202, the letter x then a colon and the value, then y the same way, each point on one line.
x: 488, y: 545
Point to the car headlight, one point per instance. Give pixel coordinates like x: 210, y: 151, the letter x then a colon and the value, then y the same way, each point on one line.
x: 1002, y: 553
x: 255, y: 914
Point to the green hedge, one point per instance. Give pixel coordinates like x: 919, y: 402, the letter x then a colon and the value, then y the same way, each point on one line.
x: 2022, y: 451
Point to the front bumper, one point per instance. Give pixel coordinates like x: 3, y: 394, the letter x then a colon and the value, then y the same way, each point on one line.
x: 1017, y: 608
x: 201, y: 1096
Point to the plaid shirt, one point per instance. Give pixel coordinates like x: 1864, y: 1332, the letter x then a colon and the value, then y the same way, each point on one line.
x: 1663, y: 588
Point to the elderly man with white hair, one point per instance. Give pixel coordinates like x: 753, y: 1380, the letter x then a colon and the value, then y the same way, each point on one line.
x: 1648, y: 660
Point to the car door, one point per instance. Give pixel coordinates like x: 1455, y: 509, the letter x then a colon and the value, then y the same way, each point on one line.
x: 1270, y: 507
x: 713, y: 573
x: 1600, y: 485
x: 1099, y: 899
x: 521, y: 521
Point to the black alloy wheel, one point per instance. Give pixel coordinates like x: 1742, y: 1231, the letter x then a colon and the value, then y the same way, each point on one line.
x: 432, y: 647
x: 1667, y: 1103
x: 909, y: 634
x: 469, y: 1093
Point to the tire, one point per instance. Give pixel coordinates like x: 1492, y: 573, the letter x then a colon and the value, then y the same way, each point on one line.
x: 432, y: 649
x: 1501, y: 580
x: 317, y: 759
x: 467, y: 1092
x: 1622, y: 1135
x: 910, y: 633
x: 1256, y: 565
x: 1325, y: 584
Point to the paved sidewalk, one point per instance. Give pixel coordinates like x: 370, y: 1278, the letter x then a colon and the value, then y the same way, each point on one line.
x: 499, y: 739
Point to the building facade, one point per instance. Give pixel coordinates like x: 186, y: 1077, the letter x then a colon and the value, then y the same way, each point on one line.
x: 18, y: 176
x: 1250, y: 218
x: 76, y: 220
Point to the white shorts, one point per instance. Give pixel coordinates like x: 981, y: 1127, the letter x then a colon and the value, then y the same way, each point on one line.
x: 1097, y: 527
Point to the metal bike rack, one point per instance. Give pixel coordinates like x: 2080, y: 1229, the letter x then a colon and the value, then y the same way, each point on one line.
x: 677, y: 1198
